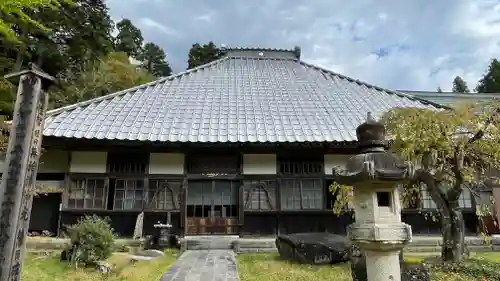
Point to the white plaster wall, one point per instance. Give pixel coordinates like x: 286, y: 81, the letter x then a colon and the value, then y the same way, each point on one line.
x: 54, y: 161
x: 88, y: 162
x: 166, y: 163
x: 259, y: 164
x: 335, y: 160
x: 51, y: 161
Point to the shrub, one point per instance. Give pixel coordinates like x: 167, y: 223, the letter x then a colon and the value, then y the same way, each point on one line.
x: 476, y: 267
x: 91, y: 240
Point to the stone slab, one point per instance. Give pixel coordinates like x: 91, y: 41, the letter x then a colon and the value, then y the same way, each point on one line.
x: 203, y: 265
x: 151, y: 253
x: 141, y: 258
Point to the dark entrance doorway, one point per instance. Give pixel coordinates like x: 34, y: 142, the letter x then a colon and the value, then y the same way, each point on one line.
x: 212, y: 207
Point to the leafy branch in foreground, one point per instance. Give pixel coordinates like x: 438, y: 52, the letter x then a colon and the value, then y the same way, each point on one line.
x: 451, y: 151
x: 13, y: 12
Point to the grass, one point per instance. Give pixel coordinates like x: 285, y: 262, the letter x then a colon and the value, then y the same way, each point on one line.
x: 48, y: 268
x: 269, y: 267
x: 251, y: 267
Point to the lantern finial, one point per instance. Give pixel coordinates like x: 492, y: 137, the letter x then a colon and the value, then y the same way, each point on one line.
x: 371, y: 134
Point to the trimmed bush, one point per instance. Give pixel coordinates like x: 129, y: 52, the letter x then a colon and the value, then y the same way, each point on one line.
x: 91, y: 240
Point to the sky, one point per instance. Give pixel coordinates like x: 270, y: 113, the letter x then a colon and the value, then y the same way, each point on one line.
x: 410, y: 44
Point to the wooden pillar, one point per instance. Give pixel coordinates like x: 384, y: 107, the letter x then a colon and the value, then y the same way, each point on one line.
x: 20, y: 169
x: 183, y: 211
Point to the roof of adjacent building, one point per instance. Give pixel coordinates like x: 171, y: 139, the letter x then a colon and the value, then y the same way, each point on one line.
x: 451, y: 99
x: 249, y: 95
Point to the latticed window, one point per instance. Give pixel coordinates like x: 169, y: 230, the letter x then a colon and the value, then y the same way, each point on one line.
x: 301, y: 168
x: 465, y: 199
x: 127, y: 162
x: 164, y: 194
x: 301, y: 194
x: 259, y: 195
x: 129, y: 194
x: 301, y: 184
x: 87, y: 194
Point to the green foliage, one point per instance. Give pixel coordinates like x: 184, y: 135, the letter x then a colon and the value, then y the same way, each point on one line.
x: 129, y: 38
x: 81, y: 35
x: 490, y: 82
x: 459, y: 85
x: 91, y: 240
x: 476, y: 267
x: 343, y: 195
x: 153, y: 60
x: 112, y: 74
x: 449, y: 150
x: 203, y: 54
x: 452, y: 145
x: 18, y: 11
x: 7, y: 96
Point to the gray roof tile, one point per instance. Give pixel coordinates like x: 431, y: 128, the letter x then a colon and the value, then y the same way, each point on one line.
x: 452, y: 99
x: 234, y: 99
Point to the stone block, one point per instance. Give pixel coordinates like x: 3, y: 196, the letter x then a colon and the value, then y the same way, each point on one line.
x: 313, y: 248
x: 409, y: 271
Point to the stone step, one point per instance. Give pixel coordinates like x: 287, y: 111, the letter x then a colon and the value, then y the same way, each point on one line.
x: 418, y: 244
x: 208, y: 242
x: 254, y: 243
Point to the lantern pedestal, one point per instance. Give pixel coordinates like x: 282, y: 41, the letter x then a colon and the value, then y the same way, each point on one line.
x: 381, y: 245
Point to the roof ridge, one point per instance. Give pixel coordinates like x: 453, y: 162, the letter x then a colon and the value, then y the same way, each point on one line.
x: 125, y: 91
x: 393, y: 92
x: 472, y: 94
x: 296, y: 50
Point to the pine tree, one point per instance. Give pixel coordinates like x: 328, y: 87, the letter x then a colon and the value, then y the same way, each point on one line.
x: 459, y: 85
x: 129, y: 38
x: 490, y: 82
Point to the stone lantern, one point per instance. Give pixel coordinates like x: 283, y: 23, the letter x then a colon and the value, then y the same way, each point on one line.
x: 375, y: 175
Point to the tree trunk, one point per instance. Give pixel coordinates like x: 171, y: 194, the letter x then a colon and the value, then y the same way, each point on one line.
x: 452, y: 222
x: 452, y: 230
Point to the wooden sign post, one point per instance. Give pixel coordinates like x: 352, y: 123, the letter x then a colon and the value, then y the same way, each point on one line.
x: 20, y: 168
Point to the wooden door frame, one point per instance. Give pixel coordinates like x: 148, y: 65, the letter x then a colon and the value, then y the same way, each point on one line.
x: 213, y: 221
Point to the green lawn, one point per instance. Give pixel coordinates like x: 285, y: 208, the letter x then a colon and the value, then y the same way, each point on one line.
x: 49, y: 268
x: 251, y: 267
x: 268, y: 267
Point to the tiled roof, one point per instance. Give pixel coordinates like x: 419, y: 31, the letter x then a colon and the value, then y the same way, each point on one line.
x: 451, y: 99
x: 234, y: 99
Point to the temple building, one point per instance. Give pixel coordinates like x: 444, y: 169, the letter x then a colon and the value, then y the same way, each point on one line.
x: 244, y: 145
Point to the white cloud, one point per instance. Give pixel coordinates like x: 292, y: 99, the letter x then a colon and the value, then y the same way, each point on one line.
x: 412, y: 44
x: 150, y: 23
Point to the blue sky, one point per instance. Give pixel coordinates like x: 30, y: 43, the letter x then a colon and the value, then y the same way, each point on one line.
x: 410, y: 44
